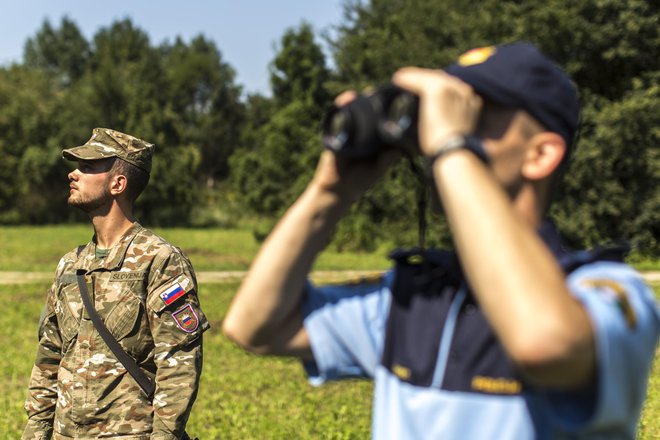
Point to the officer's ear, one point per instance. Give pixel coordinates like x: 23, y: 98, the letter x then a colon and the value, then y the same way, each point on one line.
x: 118, y: 184
x: 544, y: 154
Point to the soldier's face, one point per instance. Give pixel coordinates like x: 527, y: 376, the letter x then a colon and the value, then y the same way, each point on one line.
x: 90, y: 185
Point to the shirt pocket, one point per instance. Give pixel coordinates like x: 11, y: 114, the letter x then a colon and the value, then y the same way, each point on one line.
x: 68, y: 311
x: 127, y: 321
x: 124, y: 317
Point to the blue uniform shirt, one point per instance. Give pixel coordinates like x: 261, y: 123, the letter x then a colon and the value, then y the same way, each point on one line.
x: 440, y: 372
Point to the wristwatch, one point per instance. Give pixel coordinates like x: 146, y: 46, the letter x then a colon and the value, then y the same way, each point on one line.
x: 457, y: 142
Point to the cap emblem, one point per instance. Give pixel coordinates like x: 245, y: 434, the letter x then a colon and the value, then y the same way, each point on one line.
x: 476, y: 56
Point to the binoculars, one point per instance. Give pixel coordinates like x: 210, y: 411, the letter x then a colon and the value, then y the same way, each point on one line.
x: 385, y: 118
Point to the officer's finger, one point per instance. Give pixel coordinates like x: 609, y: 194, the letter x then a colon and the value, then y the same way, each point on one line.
x: 345, y: 97
x: 426, y: 81
x: 448, y: 106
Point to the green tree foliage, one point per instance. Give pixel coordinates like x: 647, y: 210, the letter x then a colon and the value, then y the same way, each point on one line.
x: 274, y: 173
x: 274, y: 168
x: 299, y: 70
x: 64, y: 51
x: 606, y: 45
x: 205, y: 104
x: 28, y: 99
x: 612, y: 190
x: 127, y: 78
x: 181, y: 97
x: 259, y: 109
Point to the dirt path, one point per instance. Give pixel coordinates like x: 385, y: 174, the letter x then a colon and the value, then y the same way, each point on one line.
x: 202, y: 277
x: 228, y: 276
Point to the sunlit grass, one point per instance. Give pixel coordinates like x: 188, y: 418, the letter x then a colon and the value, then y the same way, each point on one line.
x: 39, y: 248
x: 241, y: 396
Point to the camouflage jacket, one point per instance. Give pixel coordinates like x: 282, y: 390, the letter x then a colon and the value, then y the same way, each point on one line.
x: 146, y: 292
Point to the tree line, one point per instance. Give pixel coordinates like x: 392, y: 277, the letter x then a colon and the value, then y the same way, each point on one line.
x: 225, y: 158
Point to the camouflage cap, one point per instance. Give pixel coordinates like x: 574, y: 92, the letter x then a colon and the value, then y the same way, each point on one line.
x: 110, y: 143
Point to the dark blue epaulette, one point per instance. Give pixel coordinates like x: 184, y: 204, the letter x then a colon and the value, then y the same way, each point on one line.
x: 431, y: 265
x: 571, y: 261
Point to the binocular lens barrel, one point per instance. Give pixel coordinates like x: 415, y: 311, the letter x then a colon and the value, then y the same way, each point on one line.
x: 370, y: 122
x: 336, y: 130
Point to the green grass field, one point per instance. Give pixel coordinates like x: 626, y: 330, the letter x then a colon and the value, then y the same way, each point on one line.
x: 38, y: 248
x: 242, y: 396
x: 29, y: 248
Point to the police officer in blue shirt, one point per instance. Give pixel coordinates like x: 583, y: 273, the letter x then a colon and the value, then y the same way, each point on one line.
x: 510, y: 336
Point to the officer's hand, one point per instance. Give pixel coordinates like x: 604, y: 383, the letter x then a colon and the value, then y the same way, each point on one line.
x: 447, y: 105
x: 352, y: 176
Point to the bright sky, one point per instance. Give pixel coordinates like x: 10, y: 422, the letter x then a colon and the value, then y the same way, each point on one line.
x: 245, y: 31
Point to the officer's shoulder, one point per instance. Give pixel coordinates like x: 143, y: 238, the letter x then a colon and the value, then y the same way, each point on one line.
x: 606, y: 269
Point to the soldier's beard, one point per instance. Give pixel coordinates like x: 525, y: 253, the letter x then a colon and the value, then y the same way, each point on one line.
x: 89, y: 204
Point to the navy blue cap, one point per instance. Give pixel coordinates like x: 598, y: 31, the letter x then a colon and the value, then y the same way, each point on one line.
x: 518, y: 75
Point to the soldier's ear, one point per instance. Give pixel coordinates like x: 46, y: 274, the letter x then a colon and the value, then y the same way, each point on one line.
x: 118, y: 184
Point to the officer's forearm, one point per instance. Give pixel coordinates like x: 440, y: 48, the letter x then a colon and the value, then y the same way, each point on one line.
x: 517, y: 281
x: 265, y: 315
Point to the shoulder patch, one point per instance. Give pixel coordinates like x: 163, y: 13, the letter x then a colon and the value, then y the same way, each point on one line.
x: 186, y: 319
x: 173, y: 293
x: 614, y: 293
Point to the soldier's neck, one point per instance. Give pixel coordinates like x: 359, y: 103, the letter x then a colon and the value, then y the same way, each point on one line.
x: 111, y: 226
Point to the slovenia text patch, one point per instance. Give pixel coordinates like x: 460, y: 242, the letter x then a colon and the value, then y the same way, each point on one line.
x: 127, y: 276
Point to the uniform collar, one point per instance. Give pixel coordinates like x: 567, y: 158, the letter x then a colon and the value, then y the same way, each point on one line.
x: 117, y: 253
x: 552, y: 238
x: 548, y: 232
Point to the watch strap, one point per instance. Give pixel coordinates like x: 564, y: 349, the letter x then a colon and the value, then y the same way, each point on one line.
x: 459, y: 142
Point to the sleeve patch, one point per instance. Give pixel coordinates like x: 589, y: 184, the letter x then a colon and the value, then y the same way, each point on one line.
x: 173, y: 293
x: 186, y: 319
x: 615, y: 294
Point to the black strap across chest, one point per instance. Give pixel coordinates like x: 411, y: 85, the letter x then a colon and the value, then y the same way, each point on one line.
x: 127, y: 361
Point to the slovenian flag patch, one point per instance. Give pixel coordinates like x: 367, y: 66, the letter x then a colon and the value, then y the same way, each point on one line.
x: 172, y: 294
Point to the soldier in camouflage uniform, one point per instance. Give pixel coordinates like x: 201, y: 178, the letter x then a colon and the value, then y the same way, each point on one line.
x: 145, y: 291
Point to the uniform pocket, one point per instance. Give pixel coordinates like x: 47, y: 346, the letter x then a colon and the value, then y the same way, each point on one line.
x: 68, y: 312
x: 124, y: 317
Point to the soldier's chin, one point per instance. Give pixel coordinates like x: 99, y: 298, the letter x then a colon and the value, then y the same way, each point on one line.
x: 77, y: 203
